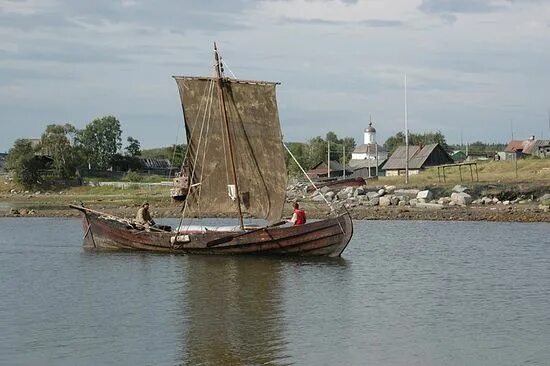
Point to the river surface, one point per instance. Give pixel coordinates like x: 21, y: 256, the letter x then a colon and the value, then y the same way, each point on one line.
x: 404, y: 293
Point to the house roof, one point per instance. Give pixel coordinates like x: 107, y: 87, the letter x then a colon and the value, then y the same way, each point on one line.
x: 535, y: 146
x: 321, y: 168
x: 419, y: 156
x: 155, y: 163
x: 364, y: 163
x: 362, y: 149
x: 519, y: 146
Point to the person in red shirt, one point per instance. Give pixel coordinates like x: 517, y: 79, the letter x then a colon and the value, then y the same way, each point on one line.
x: 299, y: 216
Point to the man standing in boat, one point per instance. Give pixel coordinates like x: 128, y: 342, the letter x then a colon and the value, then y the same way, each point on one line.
x: 299, y: 215
x: 143, y: 217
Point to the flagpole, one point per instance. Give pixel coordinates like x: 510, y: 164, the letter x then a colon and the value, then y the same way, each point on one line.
x: 406, y: 135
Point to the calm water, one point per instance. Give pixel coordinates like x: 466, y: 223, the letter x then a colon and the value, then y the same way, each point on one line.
x: 405, y: 293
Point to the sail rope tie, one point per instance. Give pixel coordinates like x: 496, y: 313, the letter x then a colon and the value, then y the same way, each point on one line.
x: 225, y: 65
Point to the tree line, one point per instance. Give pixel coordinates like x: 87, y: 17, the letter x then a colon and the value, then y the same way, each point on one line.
x: 97, y: 146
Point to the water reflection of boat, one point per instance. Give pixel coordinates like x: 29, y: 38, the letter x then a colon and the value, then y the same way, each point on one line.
x: 235, y: 163
x: 235, y: 310
x: 232, y: 311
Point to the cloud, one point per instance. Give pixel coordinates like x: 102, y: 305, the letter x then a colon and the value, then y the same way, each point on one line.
x: 461, y: 6
x: 469, y: 63
x: 374, y: 23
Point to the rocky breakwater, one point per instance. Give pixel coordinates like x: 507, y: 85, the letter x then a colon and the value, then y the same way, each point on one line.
x: 428, y: 203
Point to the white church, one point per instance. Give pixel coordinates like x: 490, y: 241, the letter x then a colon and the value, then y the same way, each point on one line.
x: 367, y: 158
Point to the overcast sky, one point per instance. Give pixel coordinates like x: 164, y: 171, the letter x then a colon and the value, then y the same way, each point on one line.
x: 480, y: 68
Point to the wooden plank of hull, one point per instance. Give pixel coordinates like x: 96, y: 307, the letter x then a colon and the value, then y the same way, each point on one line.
x: 321, y: 238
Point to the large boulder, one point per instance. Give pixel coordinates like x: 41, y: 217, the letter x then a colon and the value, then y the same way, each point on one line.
x: 389, y: 189
x: 545, y: 199
x: 347, y: 190
x: 372, y: 195
x: 426, y: 195
x: 461, y: 199
x: 459, y: 188
x: 381, y: 192
x: 374, y: 201
x: 430, y: 206
x: 385, y: 201
x: 411, y: 193
x: 329, y: 195
x: 359, y: 191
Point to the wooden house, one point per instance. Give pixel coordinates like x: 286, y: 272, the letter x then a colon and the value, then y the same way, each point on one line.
x: 321, y: 170
x: 420, y: 157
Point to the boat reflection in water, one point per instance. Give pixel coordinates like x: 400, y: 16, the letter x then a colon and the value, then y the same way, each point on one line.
x: 234, y: 309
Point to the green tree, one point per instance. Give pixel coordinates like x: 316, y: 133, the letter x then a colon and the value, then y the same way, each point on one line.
x: 317, y: 151
x: 134, y: 147
x: 393, y: 142
x: 299, y: 150
x: 22, y: 161
x: 349, y: 142
x: 55, y: 143
x: 99, y: 141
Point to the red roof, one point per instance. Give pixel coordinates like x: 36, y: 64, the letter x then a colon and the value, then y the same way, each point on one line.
x: 520, y: 146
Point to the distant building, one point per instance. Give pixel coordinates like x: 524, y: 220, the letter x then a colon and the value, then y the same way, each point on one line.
x: 458, y: 156
x: 369, y: 156
x: 321, y: 170
x: 366, y: 168
x: 420, y: 158
x: 531, y: 146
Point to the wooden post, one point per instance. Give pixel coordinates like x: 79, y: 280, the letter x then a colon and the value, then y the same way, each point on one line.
x: 477, y: 175
x: 471, y: 173
x: 444, y: 178
x: 460, y: 172
x: 438, y: 175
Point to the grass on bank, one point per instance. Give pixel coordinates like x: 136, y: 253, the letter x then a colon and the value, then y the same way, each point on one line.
x: 528, y: 170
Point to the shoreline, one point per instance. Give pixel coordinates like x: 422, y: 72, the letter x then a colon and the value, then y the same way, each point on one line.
x: 519, y: 213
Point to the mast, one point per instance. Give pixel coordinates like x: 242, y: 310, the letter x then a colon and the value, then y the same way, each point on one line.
x: 226, y: 122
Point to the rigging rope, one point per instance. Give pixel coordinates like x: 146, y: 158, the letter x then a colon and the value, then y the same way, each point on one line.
x: 206, y: 97
x: 307, y: 176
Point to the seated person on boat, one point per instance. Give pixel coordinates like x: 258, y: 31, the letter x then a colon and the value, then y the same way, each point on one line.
x: 299, y: 215
x: 143, y: 217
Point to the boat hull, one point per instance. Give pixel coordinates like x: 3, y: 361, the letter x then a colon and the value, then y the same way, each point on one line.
x: 327, y: 237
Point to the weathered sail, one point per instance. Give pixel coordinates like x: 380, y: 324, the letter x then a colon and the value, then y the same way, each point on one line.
x: 257, y: 143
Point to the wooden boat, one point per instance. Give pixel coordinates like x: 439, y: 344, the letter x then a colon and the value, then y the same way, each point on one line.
x: 321, y: 238
x: 235, y: 164
x: 338, y: 183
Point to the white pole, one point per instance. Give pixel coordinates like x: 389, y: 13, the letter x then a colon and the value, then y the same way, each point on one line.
x: 344, y: 160
x: 376, y: 148
x: 328, y: 159
x: 406, y: 135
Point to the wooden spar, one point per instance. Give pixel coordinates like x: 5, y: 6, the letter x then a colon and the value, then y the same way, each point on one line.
x: 226, y: 121
x: 112, y: 217
x: 226, y: 239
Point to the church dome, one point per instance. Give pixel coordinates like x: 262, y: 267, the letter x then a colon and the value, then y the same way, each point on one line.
x: 370, y: 128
